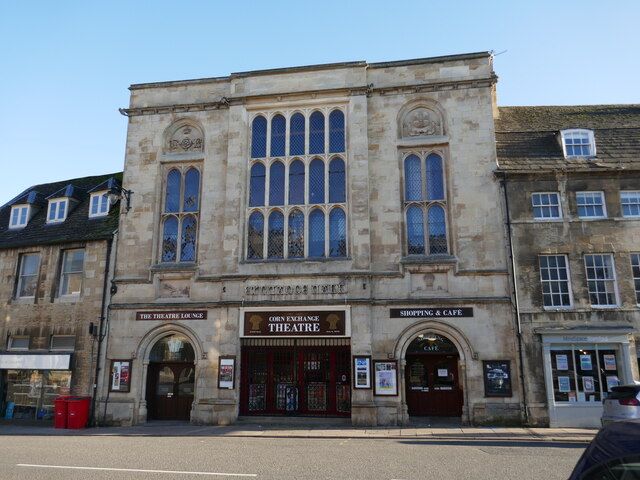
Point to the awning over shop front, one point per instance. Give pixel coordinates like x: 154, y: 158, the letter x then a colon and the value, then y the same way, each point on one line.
x: 35, y: 362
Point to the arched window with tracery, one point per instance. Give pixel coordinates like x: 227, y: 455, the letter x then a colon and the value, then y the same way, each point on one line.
x: 425, y: 204
x: 180, y: 215
x: 297, y: 192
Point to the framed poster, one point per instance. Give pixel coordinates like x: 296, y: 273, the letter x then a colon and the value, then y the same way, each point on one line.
x: 386, y: 377
x: 362, y: 371
x: 226, y: 372
x: 120, y: 376
x: 562, y: 362
x: 609, y: 362
x: 612, y: 381
x: 497, y: 378
x: 585, y: 362
x: 563, y: 384
x: 588, y: 385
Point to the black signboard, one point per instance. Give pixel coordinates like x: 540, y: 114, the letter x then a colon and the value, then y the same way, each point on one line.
x: 497, y: 378
x: 451, y: 312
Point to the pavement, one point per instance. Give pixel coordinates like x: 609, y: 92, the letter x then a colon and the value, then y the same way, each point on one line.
x: 296, y: 429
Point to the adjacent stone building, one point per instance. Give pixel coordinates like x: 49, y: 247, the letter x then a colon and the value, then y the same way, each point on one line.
x: 572, y: 182
x: 55, y: 251
x: 324, y: 240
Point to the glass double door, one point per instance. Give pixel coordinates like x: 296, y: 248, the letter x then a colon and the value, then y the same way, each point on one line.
x: 170, y: 390
x: 432, y: 386
x: 296, y: 380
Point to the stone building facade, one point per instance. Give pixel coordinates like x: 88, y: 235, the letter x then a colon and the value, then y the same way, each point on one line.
x: 572, y: 182
x: 55, y: 253
x: 324, y: 240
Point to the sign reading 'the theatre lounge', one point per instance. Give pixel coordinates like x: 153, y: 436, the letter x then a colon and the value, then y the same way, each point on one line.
x: 294, y: 323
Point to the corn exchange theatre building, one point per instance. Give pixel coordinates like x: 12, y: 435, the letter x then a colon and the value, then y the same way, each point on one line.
x: 314, y: 241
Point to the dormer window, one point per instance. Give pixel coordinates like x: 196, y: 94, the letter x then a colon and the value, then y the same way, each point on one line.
x: 99, y: 206
x: 57, y: 210
x: 578, y: 143
x: 19, y: 216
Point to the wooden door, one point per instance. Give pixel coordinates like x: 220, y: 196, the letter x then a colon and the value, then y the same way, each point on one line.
x: 432, y: 386
x: 170, y: 390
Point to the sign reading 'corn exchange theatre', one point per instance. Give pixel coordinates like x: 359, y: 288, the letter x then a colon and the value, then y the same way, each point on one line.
x: 294, y: 323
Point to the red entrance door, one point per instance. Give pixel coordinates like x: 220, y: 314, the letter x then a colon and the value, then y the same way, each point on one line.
x: 170, y: 390
x: 433, y: 388
x: 289, y: 380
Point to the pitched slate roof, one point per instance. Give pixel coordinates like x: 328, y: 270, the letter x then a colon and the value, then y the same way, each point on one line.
x: 527, y: 137
x: 76, y: 227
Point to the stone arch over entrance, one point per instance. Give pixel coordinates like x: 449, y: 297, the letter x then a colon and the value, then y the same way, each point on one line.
x: 161, y: 393
x: 464, y: 352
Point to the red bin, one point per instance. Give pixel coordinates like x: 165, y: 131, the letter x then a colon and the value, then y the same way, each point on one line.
x: 78, y: 412
x: 60, y: 412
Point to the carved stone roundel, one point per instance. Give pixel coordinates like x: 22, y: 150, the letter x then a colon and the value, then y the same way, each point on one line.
x: 421, y: 122
x: 186, y: 139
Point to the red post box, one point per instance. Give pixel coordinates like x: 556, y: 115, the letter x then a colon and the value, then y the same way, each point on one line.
x: 78, y: 412
x: 60, y: 412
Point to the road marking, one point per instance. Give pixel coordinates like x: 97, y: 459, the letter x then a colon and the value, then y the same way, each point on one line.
x: 137, y: 470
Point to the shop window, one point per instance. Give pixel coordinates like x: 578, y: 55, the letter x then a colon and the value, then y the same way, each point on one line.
x: 30, y: 393
x: 425, y: 205
x: 63, y: 342
x: 591, y: 205
x: 180, y: 215
x: 71, y: 272
x: 283, y: 186
x: 601, y: 280
x: 546, y: 206
x: 554, y: 275
x: 635, y: 269
x: 630, y: 203
x: 28, y: 275
x: 18, y: 342
x: 584, y: 373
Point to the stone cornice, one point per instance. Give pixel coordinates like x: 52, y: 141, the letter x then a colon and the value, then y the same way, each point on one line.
x: 367, y: 90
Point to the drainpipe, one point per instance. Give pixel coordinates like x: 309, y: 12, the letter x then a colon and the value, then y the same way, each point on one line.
x: 101, y: 327
x: 516, y: 303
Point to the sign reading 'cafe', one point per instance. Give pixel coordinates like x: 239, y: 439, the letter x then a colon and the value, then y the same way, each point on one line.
x: 431, y: 312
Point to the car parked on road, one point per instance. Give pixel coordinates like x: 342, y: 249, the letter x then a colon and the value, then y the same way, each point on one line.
x: 613, y: 454
x: 622, y: 403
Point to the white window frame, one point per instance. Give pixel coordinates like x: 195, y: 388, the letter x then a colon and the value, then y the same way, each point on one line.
x: 593, y: 194
x: 19, y: 216
x: 578, y: 133
x: 610, y: 282
x: 22, y: 276
x: 546, y: 207
x: 100, y: 203
x: 633, y: 204
x: 54, y: 210
x: 12, y: 338
x: 558, y: 280
x: 70, y: 273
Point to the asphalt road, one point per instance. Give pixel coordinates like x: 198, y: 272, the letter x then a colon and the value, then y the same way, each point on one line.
x: 265, y: 458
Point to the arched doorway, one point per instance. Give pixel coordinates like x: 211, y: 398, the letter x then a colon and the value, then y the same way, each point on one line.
x: 432, y: 378
x: 171, y: 379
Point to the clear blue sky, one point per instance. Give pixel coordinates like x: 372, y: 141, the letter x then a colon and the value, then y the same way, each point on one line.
x: 67, y: 64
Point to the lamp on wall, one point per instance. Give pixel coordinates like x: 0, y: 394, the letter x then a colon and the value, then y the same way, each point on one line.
x: 116, y: 193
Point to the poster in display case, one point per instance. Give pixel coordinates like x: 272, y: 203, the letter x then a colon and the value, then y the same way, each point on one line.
x: 120, y: 376
x: 226, y: 372
x: 497, y: 378
x: 362, y: 372
x: 386, y: 377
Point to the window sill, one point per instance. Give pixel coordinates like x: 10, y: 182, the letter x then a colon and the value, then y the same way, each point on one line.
x: 175, y: 267
x: 24, y: 300
x: 428, y: 259
x: 253, y: 261
x: 72, y: 298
